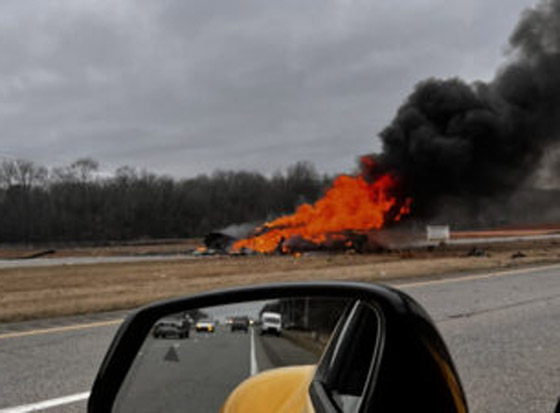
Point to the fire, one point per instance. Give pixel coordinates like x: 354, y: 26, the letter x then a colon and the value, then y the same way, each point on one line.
x: 351, y: 204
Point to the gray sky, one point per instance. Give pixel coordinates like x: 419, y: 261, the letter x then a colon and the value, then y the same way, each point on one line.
x: 185, y: 87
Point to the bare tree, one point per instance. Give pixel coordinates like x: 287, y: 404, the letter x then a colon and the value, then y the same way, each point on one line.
x: 21, y: 172
x: 80, y: 171
x: 84, y: 169
x: 7, y: 173
x: 29, y: 173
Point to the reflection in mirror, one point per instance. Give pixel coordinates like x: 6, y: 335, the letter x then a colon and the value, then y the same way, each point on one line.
x: 192, y: 361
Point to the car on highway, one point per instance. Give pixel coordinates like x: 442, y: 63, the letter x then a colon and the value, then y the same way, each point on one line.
x: 171, y: 327
x: 239, y: 324
x: 271, y: 323
x: 205, y: 326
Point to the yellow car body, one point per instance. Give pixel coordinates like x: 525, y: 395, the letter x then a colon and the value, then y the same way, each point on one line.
x: 280, y: 390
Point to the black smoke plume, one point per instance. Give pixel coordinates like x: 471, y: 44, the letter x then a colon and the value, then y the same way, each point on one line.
x: 482, y: 140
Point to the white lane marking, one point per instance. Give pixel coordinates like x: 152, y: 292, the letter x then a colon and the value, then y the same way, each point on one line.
x: 47, y: 404
x: 477, y: 277
x: 254, y: 366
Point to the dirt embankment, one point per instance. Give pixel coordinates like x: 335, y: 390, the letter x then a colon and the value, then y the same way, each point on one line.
x: 41, y: 292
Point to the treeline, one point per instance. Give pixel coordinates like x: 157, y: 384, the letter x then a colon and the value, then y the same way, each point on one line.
x: 78, y: 203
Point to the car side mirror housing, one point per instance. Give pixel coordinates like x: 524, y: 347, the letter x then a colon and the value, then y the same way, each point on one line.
x: 323, y: 347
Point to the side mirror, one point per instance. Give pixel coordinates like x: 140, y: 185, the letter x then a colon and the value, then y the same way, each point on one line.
x: 298, y: 347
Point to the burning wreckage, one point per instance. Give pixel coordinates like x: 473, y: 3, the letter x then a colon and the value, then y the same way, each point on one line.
x: 452, y: 146
x: 341, y: 220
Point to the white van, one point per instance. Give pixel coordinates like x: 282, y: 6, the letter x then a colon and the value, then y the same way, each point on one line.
x: 271, y: 323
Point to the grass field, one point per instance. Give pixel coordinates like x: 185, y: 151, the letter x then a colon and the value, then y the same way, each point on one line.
x: 41, y: 292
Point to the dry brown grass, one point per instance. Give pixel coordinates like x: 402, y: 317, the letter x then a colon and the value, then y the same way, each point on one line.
x: 27, y: 293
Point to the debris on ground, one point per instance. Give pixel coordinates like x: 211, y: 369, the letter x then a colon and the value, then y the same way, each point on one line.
x: 518, y: 254
x: 476, y: 252
x: 219, y: 242
x: 38, y: 254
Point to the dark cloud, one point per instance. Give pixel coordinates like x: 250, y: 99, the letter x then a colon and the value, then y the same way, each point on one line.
x: 184, y: 87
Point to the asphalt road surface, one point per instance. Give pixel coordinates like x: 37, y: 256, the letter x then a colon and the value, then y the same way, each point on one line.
x: 51, y: 262
x: 502, y: 329
x: 197, y: 374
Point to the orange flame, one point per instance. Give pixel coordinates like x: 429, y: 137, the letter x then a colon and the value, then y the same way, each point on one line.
x: 351, y: 203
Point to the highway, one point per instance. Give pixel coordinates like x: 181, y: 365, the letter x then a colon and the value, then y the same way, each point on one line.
x: 199, y: 373
x: 53, y: 262
x: 503, y: 331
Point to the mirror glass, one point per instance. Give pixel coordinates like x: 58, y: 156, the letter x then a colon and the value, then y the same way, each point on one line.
x: 192, y: 361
